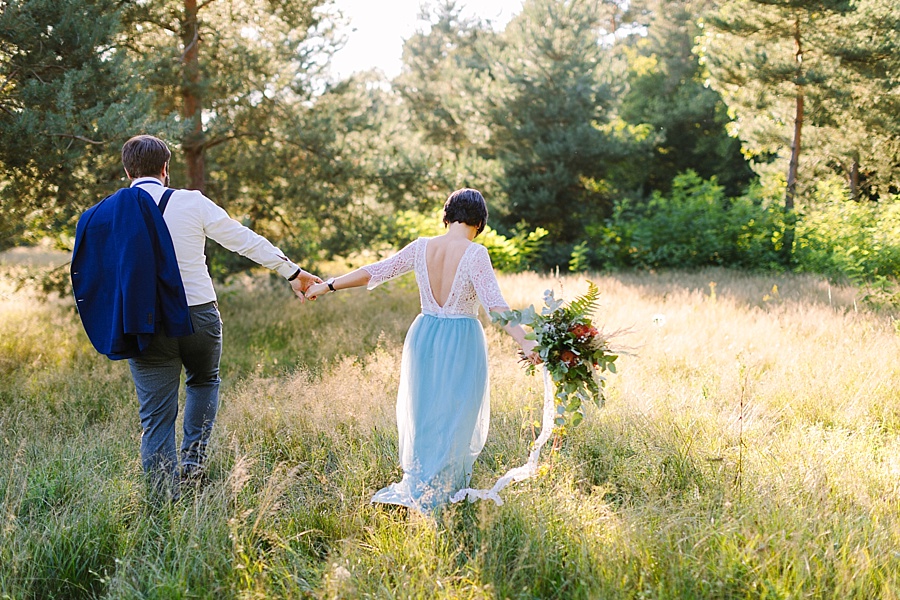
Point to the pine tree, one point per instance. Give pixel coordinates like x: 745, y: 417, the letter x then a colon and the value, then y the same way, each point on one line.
x: 234, y: 86
x: 552, y: 96
x: 69, y: 95
x: 443, y: 89
x: 767, y: 58
x: 868, y: 48
x: 227, y: 70
x: 666, y: 92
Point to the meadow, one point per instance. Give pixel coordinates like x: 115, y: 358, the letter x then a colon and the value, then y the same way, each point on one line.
x: 749, y: 448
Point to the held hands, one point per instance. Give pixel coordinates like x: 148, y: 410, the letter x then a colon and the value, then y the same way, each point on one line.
x: 316, y: 290
x: 302, y: 283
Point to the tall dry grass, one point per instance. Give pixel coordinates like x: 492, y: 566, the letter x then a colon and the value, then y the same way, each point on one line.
x: 748, y: 449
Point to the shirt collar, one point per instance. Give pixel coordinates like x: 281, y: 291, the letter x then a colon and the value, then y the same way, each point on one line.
x: 141, y: 180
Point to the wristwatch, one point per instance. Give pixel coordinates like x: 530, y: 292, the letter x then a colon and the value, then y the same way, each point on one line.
x: 330, y: 284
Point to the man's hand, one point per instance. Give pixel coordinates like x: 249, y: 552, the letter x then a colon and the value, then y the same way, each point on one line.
x: 302, y: 282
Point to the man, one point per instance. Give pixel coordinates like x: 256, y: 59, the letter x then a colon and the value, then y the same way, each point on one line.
x: 190, y: 218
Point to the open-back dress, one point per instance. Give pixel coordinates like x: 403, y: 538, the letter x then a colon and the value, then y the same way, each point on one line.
x: 443, y: 403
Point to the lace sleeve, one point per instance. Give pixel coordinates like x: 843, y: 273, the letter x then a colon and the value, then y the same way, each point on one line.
x: 485, y: 282
x: 399, y: 264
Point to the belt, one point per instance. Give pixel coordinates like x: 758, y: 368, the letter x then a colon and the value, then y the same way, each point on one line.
x: 204, y: 306
x: 431, y: 313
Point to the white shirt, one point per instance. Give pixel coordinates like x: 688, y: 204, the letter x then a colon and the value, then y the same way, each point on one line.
x: 191, y: 218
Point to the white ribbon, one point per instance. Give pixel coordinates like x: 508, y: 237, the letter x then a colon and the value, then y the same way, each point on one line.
x: 530, y: 468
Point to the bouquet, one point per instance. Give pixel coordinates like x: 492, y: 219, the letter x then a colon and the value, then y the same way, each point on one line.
x: 575, y: 353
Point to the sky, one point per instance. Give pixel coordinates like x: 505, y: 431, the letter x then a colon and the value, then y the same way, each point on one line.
x: 378, y: 27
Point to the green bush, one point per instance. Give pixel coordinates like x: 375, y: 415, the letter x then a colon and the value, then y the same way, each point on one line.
x: 839, y: 238
x: 696, y: 225
x: 857, y: 242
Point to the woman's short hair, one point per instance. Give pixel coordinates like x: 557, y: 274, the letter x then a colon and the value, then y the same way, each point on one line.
x: 145, y: 156
x: 466, y: 206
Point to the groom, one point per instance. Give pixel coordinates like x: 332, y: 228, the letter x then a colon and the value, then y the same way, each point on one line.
x: 190, y: 217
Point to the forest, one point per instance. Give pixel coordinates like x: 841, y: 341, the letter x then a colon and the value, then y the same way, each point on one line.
x: 605, y: 134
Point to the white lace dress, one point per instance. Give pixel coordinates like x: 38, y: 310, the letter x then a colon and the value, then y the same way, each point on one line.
x: 443, y: 403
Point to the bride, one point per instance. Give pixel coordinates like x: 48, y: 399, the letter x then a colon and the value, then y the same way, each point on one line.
x: 443, y: 405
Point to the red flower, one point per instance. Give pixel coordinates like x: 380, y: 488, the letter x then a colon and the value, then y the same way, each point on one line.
x: 568, y: 357
x: 583, y: 331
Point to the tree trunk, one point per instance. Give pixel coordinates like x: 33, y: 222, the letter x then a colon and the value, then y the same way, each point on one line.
x: 795, y: 154
x: 854, y: 178
x: 787, y: 249
x: 193, y: 143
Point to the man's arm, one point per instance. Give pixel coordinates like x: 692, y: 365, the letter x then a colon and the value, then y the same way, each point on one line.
x: 230, y: 234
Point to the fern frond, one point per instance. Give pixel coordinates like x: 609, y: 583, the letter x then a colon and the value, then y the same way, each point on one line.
x: 586, y: 304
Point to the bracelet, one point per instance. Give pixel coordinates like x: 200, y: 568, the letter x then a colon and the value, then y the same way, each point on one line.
x: 295, y: 275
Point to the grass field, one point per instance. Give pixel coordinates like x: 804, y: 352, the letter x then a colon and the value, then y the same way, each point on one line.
x: 749, y: 448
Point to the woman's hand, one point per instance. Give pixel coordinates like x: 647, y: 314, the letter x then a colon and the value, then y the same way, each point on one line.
x: 316, y: 290
x: 528, y: 352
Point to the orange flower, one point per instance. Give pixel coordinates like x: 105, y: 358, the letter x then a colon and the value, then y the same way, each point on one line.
x: 568, y: 357
x: 582, y: 331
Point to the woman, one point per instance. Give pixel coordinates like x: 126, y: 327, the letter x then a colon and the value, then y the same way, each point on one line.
x: 443, y: 405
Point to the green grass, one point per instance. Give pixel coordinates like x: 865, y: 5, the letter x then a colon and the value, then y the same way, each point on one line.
x: 750, y: 448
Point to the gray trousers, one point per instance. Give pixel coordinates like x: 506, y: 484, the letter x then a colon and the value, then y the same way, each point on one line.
x: 157, y: 375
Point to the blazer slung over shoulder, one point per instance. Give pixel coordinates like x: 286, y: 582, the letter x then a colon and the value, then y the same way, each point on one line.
x: 125, y: 275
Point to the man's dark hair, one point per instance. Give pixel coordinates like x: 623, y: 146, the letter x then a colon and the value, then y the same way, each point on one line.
x: 466, y: 206
x: 145, y: 156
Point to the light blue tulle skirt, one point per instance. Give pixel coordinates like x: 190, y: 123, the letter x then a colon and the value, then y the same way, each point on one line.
x: 443, y: 410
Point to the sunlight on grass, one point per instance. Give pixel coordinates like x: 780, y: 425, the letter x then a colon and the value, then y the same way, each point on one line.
x: 749, y: 448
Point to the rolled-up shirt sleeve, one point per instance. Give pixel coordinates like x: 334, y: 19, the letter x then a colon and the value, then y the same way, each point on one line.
x: 229, y: 233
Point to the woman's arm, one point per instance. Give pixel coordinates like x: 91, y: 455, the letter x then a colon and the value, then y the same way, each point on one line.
x: 488, y: 290
x: 370, y: 275
x: 357, y: 278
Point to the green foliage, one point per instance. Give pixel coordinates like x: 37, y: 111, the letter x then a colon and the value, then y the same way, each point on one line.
x: 667, y: 92
x: 552, y: 95
x: 811, y: 80
x: 69, y: 96
x: 580, y: 260
x: 865, y: 128
x: 856, y: 241
x: 694, y: 226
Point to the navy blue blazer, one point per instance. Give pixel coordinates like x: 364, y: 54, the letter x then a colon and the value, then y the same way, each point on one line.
x: 125, y: 275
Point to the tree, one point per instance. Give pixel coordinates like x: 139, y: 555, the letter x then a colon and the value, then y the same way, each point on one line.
x: 237, y: 86
x: 666, y: 91
x: 443, y: 89
x: 69, y: 94
x: 767, y: 58
x: 227, y: 70
x: 868, y: 48
x: 550, y: 101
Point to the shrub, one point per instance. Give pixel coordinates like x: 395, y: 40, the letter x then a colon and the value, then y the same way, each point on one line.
x: 839, y: 238
x: 696, y: 225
